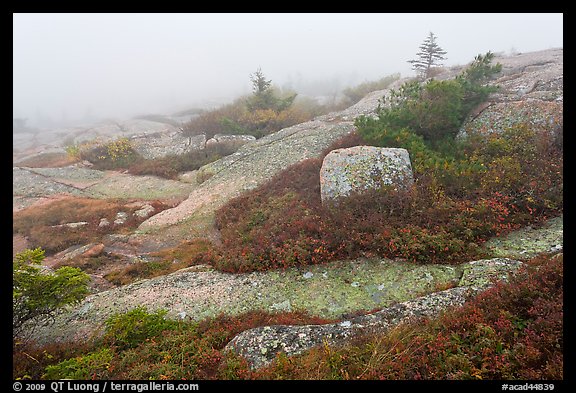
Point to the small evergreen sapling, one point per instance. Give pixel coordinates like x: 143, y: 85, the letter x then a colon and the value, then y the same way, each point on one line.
x: 430, y: 55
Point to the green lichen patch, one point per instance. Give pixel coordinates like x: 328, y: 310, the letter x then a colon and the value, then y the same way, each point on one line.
x: 527, y: 242
x: 344, y: 287
x: 333, y: 290
x: 481, y: 274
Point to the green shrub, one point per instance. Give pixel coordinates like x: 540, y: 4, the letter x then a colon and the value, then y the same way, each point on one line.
x: 93, y: 365
x: 435, y: 113
x: 266, y: 111
x: 195, y: 350
x: 127, y: 330
x: 436, y: 109
x: 37, y: 296
x: 73, y: 151
x: 113, y: 155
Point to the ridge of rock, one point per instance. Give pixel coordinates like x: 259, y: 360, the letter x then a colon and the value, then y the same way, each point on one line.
x: 260, y: 346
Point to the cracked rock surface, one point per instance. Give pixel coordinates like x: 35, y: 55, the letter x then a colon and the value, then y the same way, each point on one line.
x: 260, y: 346
x: 531, y: 91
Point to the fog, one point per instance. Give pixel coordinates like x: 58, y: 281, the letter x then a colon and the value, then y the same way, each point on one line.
x: 75, y: 68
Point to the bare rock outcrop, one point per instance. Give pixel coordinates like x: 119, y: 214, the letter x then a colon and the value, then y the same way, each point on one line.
x: 31, y: 185
x: 260, y: 346
x: 530, y: 91
x: 162, y: 144
x: 232, y: 142
x: 150, y: 138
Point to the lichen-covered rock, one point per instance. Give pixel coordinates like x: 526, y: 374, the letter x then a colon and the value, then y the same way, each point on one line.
x: 260, y: 346
x: 232, y: 142
x: 499, y: 116
x: 162, y: 144
x: 121, y: 218
x: 360, y: 168
x: 528, y: 242
x: 530, y: 92
x: 482, y: 273
x: 333, y: 290
x: 144, y: 211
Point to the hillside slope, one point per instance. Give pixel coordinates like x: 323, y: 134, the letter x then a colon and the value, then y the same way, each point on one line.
x: 201, y: 291
x: 531, y: 89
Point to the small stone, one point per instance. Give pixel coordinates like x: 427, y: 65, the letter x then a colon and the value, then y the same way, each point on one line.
x: 145, y: 211
x: 94, y: 251
x: 103, y: 223
x: 71, y: 225
x: 282, y: 306
x: 121, y: 218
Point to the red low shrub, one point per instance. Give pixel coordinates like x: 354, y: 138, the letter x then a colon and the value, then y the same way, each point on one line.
x: 442, y: 219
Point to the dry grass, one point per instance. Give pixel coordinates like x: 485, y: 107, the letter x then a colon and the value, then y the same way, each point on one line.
x: 186, y: 254
x: 48, y: 160
x: 41, y: 224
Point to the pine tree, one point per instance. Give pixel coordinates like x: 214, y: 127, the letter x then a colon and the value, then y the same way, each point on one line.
x: 264, y: 96
x: 429, y: 56
x: 262, y: 93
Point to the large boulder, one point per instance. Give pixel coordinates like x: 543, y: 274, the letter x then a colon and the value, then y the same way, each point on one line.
x: 360, y: 168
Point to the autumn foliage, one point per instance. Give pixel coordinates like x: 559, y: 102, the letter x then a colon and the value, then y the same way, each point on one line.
x: 473, y: 190
x: 512, y: 331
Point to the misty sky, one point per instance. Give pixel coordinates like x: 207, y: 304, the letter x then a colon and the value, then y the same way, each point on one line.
x: 78, y: 66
